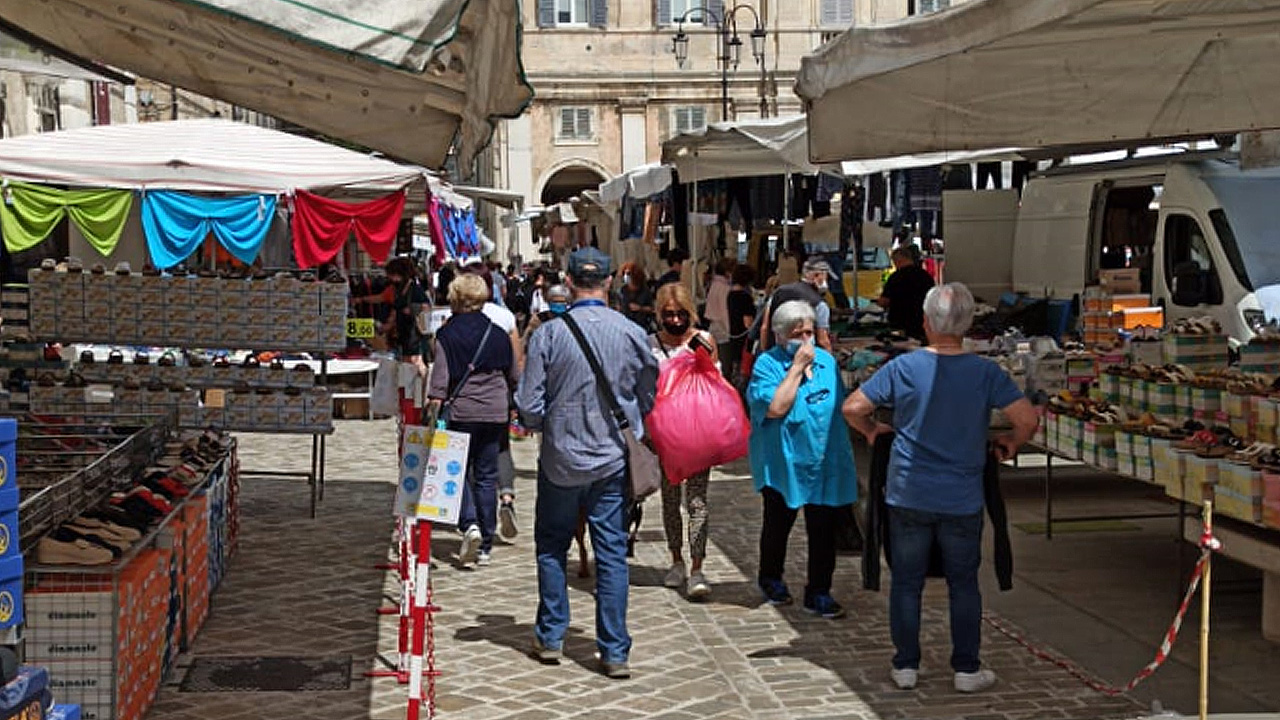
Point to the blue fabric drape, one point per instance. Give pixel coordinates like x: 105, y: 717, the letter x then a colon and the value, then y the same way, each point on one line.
x: 176, y: 223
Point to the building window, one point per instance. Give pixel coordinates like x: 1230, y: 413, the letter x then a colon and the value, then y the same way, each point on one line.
x: 688, y: 119
x: 571, y: 12
x: 575, y: 125
x: 48, y: 107
x: 669, y: 11
x: 836, y: 14
x: 924, y: 7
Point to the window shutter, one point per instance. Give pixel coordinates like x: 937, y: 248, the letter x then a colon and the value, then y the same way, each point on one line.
x: 566, y: 122
x: 546, y: 13
x: 714, y: 14
x: 662, y: 11
x: 829, y: 14
x: 584, y: 123
x: 599, y: 13
x: 697, y: 118
x: 844, y: 13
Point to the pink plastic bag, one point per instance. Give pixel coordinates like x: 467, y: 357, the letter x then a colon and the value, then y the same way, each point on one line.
x: 698, y: 420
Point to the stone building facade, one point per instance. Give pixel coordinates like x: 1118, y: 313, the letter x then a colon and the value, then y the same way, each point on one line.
x: 609, y: 90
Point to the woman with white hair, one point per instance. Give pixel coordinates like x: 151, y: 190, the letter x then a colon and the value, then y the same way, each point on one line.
x: 942, y: 397
x: 801, y: 456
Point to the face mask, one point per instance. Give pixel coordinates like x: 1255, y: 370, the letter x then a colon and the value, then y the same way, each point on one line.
x: 626, y: 279
x: 822, y: 286
x: 558, y: 307
x: 675, y: 327
x: 793, y: 346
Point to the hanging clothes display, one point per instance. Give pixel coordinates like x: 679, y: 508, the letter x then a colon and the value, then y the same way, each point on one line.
x: 176, y: 224
x: 29, y: 213
x: 321, y: 226
x: 877, y: 198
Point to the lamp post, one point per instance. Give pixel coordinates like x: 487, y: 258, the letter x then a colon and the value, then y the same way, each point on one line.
x: 728, y: 48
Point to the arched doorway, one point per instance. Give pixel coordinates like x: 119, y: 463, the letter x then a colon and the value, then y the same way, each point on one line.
x: 569, y: 180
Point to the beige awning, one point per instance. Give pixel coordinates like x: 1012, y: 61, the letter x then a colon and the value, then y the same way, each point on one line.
x: 1037, y: 73
x: 400, y: 76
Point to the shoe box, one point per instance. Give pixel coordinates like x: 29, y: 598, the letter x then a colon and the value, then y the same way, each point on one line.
x: 8, y: 464
x: 11, y: 598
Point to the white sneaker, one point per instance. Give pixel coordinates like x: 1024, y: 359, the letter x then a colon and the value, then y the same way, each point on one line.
x: 469, y: 552
x: 483, y: 559
x: 675, y: 576
x: 975, y: 681
x: 698, y: 587
x: 905, y: 678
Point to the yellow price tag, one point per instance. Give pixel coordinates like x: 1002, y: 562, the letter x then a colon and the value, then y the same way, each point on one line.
x: 362, y: 328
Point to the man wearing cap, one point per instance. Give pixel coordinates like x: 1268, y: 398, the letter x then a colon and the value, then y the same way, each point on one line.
x: 812, y: 288
x: 582, y: 463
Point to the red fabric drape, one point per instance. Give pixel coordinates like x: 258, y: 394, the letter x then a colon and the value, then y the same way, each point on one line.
x: 321, y: 226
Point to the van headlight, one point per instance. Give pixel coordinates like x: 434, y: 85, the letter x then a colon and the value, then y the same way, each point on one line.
x: 1255, y: 319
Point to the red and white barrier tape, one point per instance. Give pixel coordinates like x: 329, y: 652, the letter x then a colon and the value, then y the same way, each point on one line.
x: 1208, y: 545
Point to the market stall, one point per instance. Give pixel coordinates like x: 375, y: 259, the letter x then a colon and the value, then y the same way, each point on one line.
x: 409, y: 79
x: 1037, y: 73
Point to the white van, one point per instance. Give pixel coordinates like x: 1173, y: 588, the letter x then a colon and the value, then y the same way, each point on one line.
x: 1204, y: 234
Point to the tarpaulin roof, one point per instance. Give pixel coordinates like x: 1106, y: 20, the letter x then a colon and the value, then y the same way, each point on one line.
x: 639, y: 182
x: 1036, y: 73
x: 401, y: 76
x: 202, y: 155
x: 741, y: 149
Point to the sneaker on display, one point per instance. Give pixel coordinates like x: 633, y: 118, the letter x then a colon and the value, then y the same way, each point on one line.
x: 507, y: 529
x: 823, y: 605
x: 698, y: 587
x: 775, y: 592
x: 905, y: 678
x: 975, y: 681
x: 469, y: 552
x: 675, y: 576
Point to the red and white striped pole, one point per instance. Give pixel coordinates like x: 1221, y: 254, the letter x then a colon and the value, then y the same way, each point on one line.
x: 423, y: 641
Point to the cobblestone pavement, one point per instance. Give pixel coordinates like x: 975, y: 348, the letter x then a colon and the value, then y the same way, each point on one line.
x: 307, y: 587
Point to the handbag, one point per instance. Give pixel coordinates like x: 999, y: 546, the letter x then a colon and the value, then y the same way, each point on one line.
x: 644, y: 474
x: 453, y: 395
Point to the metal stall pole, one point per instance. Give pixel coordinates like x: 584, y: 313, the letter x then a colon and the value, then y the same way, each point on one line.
x: 1048, y: 495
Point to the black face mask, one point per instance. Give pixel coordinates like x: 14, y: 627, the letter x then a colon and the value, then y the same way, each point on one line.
x: 675, y: 326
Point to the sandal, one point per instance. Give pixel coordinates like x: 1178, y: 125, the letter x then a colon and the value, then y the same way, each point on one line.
x: 168, y: 359
x: 115, y: 357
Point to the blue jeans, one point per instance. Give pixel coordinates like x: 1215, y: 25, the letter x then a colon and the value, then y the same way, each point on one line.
x: 555, y: 520
x: 912, y: 536
x: 480, y: 492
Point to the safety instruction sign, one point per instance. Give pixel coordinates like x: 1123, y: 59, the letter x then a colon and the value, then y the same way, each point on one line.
x: 433, y: 470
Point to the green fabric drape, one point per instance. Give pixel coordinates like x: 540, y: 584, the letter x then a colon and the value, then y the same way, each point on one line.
x: 30, y: 212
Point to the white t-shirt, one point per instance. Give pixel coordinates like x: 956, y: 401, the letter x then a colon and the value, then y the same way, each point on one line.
x: 500, y: 316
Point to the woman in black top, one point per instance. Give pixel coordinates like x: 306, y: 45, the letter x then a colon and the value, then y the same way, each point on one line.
x: 634, y: 298
x: 742, y: 313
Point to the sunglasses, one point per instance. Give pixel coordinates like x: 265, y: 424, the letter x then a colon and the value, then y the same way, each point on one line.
x: 683, y: 314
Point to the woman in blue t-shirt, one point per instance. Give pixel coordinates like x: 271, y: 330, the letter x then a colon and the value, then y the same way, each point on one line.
x: 942, y: 397
x: 800, y: 455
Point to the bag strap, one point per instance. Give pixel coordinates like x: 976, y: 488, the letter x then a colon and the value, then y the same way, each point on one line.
x: 471, y: 366
x: 603, y: 382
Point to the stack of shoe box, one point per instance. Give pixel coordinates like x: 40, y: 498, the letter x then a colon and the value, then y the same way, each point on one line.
x: 281, y: 312
x: 11, y: 608
x: 112, y: 672
x: 195, y: 516
x: 1197, y: 352
x: 1261, y: 355
x: 1099, y: 325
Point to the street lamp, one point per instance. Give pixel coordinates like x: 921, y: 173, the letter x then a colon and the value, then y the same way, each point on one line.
x: 728, y: 48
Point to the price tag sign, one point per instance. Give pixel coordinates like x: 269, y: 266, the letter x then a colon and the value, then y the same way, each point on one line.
x: 361, y: 328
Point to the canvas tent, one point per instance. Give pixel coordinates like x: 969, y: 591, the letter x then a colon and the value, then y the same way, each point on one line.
x: 207, y: 156
x: 741, y: 149
x: 401, y: 76
x: 1037, y: 73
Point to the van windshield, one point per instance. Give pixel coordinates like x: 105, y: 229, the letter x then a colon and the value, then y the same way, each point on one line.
x: 1249, y: 227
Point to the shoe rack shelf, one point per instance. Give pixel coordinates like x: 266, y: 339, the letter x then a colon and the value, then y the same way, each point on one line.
x: 69, y: 465
x: 110, y: 634
x: 281, y: 312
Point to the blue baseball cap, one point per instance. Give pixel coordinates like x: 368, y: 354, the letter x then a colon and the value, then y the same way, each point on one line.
x: 588, y: 263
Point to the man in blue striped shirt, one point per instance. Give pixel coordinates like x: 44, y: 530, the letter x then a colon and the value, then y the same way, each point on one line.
x: 582, y: 462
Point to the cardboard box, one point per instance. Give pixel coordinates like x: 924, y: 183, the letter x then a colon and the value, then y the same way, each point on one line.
x: 1120, y: 282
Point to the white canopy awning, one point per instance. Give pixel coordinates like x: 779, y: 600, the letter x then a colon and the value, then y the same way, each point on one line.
x: 502, y: 198
x: 1037, y: 73
x: 638, y: 182
x: 201, y: 155
x: 741, y: 149
x: 402, y: 76
x: 906, y: 162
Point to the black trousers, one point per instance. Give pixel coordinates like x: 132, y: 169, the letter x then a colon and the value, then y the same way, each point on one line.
x: 821, y: 523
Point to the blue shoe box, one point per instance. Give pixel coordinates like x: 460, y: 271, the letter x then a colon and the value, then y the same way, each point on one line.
x: 10, y: 592
x: 8, y: 464
x: 63, y: 712
x: 9, y: 534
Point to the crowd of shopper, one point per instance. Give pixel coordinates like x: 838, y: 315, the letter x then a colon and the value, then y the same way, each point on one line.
x: 577, y: 358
